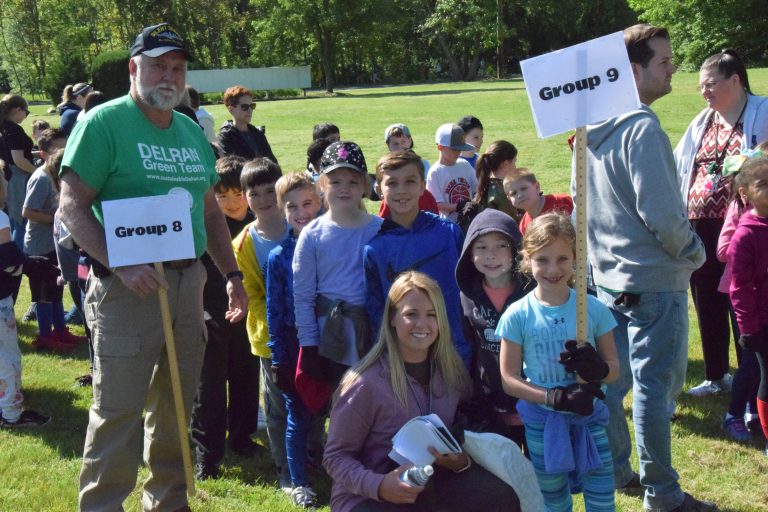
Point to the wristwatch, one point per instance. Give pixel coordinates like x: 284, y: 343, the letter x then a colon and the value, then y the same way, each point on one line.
x: 234, y: 273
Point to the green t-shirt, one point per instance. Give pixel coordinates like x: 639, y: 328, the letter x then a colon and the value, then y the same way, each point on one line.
x: 120, y: 154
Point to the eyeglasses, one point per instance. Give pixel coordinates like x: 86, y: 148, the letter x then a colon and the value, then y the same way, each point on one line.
x: 708, y: 86
x: 245, y: 107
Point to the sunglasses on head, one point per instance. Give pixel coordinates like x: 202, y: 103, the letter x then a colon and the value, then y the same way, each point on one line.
x: 245, y: 107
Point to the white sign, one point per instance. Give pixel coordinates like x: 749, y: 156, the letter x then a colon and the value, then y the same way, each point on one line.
x: 148, y: 229
x: 579, y: 85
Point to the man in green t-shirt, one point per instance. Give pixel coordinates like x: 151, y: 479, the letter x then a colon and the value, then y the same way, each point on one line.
x: 136, y: 146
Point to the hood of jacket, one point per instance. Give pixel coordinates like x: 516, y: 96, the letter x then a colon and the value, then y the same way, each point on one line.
x: 598, y: 133
x: 487, y: 221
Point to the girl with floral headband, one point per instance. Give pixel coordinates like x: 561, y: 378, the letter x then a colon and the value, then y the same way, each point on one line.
x: 737, y: 423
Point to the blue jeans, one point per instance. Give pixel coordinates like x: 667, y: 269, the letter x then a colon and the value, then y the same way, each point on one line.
x: 652, y: 344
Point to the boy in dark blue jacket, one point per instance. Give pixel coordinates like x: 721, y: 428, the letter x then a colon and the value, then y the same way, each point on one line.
x: 297, y: 196
x: 412, y: 240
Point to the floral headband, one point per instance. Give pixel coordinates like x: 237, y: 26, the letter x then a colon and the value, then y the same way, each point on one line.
x: 732, y: 164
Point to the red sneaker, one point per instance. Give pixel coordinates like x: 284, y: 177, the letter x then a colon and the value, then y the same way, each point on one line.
x: 68, y: 338
x: 51, y: 342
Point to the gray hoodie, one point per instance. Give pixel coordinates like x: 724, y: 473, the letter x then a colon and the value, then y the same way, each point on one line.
x: 640, y: 239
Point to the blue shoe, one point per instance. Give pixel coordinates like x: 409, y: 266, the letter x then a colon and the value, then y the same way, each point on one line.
x: 737, y: 430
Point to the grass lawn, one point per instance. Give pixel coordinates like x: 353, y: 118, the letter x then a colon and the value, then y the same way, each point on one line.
x: 40, y: 467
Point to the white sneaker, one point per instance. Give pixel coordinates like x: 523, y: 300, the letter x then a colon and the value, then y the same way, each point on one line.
x: 284, y: 481
x: 303, y: 496
x: 712, y: 387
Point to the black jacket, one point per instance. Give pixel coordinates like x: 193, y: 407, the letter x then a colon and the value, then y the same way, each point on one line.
x: 480, y: 315
x: 232, y: 142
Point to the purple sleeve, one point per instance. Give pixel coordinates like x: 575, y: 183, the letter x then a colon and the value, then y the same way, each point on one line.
x: 351, y: 419
x: 305, y: 289
x: 741, y: 255
x: 729, y: 227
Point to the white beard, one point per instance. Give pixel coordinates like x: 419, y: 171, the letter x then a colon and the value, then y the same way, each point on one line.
x: 158, y: 99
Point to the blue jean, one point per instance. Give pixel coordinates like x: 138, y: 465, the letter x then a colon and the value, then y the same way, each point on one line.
x: 652, y: 344
x: 296, y: 434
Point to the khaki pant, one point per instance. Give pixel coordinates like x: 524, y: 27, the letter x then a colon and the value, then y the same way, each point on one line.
x: 130, y: 374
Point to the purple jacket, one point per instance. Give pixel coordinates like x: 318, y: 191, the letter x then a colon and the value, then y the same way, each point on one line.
x: 364, y: 419
x: 748, y: 257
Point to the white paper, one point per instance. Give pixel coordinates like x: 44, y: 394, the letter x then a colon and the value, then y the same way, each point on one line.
x: 411, y: 443
x: 586, y: 83
x: 148, y: 229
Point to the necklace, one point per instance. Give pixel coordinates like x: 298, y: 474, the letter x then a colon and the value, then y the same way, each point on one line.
x: 715, y: 169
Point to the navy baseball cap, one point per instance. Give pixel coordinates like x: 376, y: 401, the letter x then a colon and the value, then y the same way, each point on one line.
x: 157, y: 40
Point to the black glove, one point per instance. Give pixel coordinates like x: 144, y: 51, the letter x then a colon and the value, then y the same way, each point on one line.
x: 754, y: 342
x: 584, y: 361
x: 312, y: 363
x: 283, y: 377
x: 576, y: 398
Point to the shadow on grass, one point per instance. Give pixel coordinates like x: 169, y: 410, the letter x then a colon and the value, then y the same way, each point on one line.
x: 65, y: 432
x: 260, y: 470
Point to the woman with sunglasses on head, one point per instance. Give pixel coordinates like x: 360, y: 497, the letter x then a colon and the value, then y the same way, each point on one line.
x: 239, y: 137
x: 733, y: 121
x: 13, y: 110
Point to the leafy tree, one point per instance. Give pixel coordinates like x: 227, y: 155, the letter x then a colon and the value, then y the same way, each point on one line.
x: 109, y: 73
x: 699, y: 28
x: 461, y: 29
x: 70, y: 69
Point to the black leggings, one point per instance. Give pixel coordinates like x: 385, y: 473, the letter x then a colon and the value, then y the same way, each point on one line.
x: 473, y: 490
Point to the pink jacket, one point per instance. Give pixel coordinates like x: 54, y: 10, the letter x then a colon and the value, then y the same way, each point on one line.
x: 732, y: 217
x: 748, y: 255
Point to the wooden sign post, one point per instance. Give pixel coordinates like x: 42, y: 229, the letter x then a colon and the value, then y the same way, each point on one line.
x: 570, y: 88
x: 152, y: 230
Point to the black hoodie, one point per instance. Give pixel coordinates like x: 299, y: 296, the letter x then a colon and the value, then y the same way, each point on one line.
x: 480, y: 315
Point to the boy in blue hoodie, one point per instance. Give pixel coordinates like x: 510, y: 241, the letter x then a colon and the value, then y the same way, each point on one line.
x: 411, y: 240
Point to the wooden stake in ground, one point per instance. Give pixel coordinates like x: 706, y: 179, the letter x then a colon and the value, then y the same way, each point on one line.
x: 580, y: 149
x: 178, y: 398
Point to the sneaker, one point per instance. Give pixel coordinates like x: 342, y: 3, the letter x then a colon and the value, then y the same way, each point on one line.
x: 51, y: 342
x: 691, y: 504
x: 712, y: 387
x: 205, y: 471
x: 633, y: 487
x: 68, y: 338
x: 73, y: 317
x: 84, y: 381
x: 31, y: 314
x: 753, y: 424
x: 303, y: 496
x: 737, y: 429
x: 284, y: 481
x: 28, y: 418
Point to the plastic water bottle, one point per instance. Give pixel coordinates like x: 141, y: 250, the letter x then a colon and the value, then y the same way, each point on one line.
x: 417, y: 476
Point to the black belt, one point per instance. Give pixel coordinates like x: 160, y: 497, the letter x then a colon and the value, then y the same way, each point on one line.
x: 101, y: 271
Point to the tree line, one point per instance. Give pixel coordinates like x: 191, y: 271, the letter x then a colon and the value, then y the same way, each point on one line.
x: 47, y: 43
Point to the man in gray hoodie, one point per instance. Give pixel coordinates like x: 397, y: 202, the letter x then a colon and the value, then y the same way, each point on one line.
x: 643, y: 252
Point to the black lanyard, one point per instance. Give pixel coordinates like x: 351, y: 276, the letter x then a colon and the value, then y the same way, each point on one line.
x: 720, y: 157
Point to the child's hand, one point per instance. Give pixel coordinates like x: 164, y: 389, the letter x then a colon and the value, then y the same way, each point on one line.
x: 312, y: 363
x: 577, y: 398
x: 584, y: 361
x: 754, y: 342
x: 452, y: 461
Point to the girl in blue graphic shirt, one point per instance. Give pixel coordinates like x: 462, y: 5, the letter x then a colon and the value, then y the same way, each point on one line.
x: 564, y: 424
